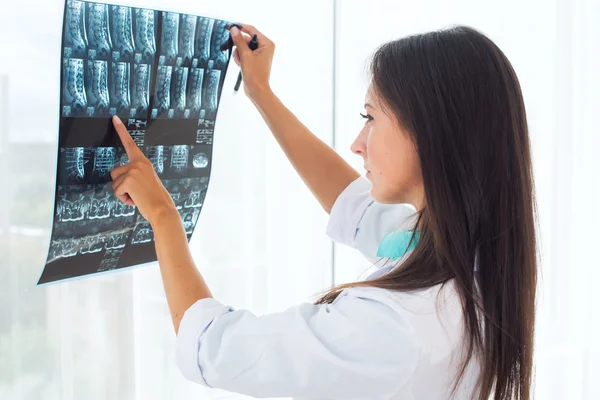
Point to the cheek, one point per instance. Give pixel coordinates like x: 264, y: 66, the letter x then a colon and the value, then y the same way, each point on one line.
x: 395, y: 168
x: 379, y: 153
x: 386, y: 154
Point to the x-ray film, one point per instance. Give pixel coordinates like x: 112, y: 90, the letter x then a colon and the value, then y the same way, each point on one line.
x: 162, y: 73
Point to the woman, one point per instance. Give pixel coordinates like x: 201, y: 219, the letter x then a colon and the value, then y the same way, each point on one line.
x: 450, y: 311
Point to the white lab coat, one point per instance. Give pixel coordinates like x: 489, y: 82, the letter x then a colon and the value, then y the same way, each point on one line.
x: 369, y: 343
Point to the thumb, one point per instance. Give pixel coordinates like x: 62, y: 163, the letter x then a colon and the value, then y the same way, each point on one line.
x: 239, y: 41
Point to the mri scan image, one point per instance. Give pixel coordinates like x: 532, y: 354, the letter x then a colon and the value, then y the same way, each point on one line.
x: 73, y: 165
x: 109, y: 63
x: 156, y: 155
x: 178, y: 92
x: 197, y: 193
x: 220, y: 36
x: 195, y: 199
x: 122, y: 34
x: 63, y: 247
x: 172, y: 161
x: 187, y: 192
x: 194, y: 92
x: 179, y: 159
x: 109, y: 55
x: 169, y: 41
x: 97, y: 88
x: 72, y: 203
x: 204, y: 32
x: 89, y: 203
x: 110, y: 260
x: 116, y: 240
x: 210, y: 99
x: 187, y: 33
x: 191, y: 67
x: 140, y: 99
x: 101, y: 203
x: 145, y: 36
x: 162, y: 95
x: 74, y: 97
x: 81, y: 238
x: 200, y: 160
x: 143, y: 65
x: 189, y: 217
x: 75, y: 40
x: 92, y: 243
x: 68, y: 246
x: 105, y: 159
x: 120, y: 88
x: 99, y: 41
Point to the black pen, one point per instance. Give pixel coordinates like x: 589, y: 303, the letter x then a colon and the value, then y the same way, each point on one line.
x: 253, y: 46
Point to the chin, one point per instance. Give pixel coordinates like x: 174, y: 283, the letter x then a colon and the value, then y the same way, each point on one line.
x: 383, y: 196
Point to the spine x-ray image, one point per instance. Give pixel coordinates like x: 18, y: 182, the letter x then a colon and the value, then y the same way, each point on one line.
x: 122, y: 33
x: 109, y: 52
x: 98, y: 33
x: 180, y: 160
x: 120, y: 88
x: 162, y: 73
x: 145, y: 36
x: 191, y: 67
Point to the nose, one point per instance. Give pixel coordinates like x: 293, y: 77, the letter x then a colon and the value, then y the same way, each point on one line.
x: 359, y: 145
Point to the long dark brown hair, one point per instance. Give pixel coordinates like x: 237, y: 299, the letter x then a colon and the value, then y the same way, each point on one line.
x: 458, y: 96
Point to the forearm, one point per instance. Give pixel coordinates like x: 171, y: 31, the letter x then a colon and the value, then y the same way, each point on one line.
x: 324, y: 172
x: 183, y: 283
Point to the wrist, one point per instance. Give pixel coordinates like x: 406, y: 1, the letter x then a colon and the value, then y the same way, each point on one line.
x: 261, y: 95
x: 161, y: 214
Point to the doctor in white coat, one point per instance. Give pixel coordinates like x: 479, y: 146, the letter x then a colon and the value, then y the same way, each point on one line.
x: 449, y: 310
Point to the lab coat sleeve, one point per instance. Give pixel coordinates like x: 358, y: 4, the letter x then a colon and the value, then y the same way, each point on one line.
x: 358, y: 346
x: 358, y: 221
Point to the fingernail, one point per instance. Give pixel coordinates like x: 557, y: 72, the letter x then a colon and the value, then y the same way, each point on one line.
x: 227, y: 45
x: 229, y: 25
x: 117, y: 119
x: 235, y: 31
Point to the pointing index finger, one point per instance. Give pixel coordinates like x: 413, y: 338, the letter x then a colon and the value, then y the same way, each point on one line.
x: 133, y: 151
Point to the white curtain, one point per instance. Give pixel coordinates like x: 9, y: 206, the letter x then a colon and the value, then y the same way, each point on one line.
x: 260, y: 239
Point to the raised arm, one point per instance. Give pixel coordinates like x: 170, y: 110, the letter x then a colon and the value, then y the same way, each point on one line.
x: 325, y: 173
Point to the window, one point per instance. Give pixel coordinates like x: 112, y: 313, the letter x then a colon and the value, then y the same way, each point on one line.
x: 260, y: 241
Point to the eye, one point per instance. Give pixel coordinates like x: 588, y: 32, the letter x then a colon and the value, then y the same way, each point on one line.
x: 368, y: 117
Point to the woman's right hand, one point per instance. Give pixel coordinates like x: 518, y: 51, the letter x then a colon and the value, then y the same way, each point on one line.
x: 321, y: 168
x: 255, y: 65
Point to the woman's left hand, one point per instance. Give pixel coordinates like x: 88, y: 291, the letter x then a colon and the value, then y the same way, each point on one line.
x: 136, y: 183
